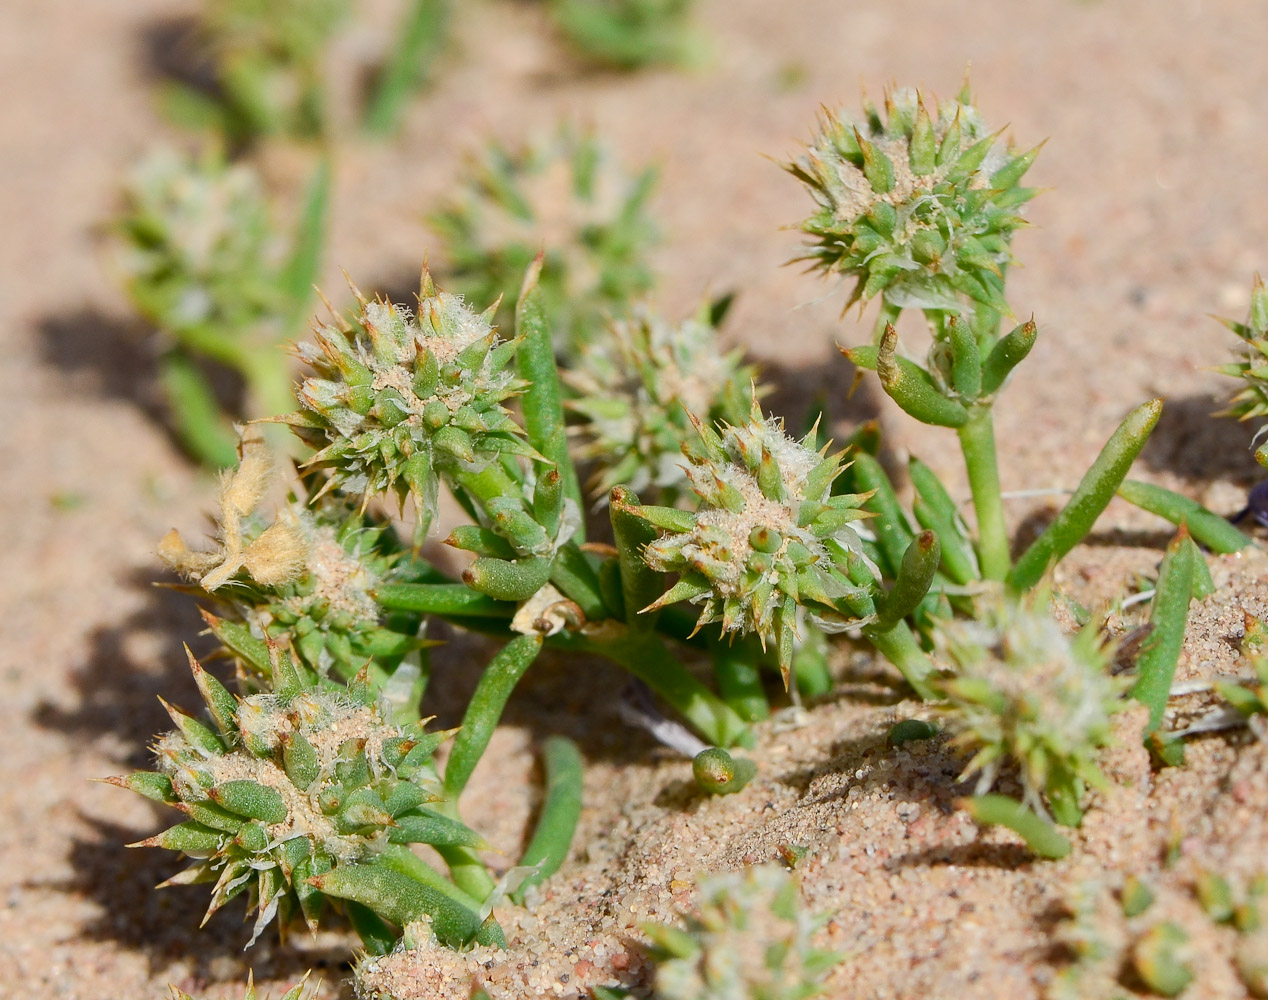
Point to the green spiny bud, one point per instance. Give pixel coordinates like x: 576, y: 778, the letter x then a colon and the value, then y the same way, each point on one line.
x: 300, y: 784
x: 305, y: 580
x: 748, y: 937
x: 920, y: 207
x: 1025, y: 694
x: 765, y: 536
x: 200, y: 248
x: 636, y: 386
x: 441, y: 365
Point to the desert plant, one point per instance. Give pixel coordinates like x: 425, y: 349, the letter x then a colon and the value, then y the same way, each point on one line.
x: 1025, y: 695
x: 766, y: 545
x: 568, y: 196
x: 306, y: 793
x: 637, y: 386
x: 203, y: 260
x: 747, y: 939
x: 918, y: 208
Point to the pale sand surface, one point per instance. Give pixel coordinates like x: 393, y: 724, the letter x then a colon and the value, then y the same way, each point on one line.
x: 1157, y: 216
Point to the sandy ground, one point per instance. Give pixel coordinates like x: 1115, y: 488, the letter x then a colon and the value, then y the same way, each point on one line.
x: 1156, y: 217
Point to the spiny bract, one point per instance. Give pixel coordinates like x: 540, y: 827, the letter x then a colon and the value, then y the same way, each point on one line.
x: 1025, y: 693
x: 305, y: 580
x: 565, y: 196
x: 919, y: 206
x: 296, y: 992
x: 398, y: 401
x: 747, y: 940
x: 636, y: 386
x: 284, y: 787
x: 766, y: 535
x: 1252, y: 399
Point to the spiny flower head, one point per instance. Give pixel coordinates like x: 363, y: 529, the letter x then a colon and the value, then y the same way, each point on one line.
x: 200, y: 245
x: 568, y: 197
x: 1252, y: 399
x: 747, y: 939
x: 636, y: 386
x: 397, y: 401
x: 766, y: 535
x: 305, y: 580
x: 281, y: 788
x: 919, y: 205
x: 1025, y: 693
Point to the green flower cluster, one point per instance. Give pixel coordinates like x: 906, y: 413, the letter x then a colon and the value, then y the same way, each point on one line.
x: 397, y: 401
x: 747, y: 938
x: 565, y: 196
x: 768, y: 536
x: 1025, y: 694
x: 200, y: 254
x: 636, y: 387
x: 305, y: 581
x: 919, y: 205
x: 296, y: 795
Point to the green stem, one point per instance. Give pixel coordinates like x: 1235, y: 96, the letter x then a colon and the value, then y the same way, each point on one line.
x: 900, y: 647
x: 977, y: 442
x: 420, y: 37
x: 196, y: 415
x: 646, y: 657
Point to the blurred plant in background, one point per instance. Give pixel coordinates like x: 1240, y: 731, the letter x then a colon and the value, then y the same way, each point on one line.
x: 203, y: 259
x: 568, y: 196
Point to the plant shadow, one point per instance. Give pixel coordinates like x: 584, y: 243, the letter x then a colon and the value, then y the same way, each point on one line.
x: 1189, y: 443
x: 162, y: 925
x: 118, y: 686
x: 118, y: 358
x: 172, y: 51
